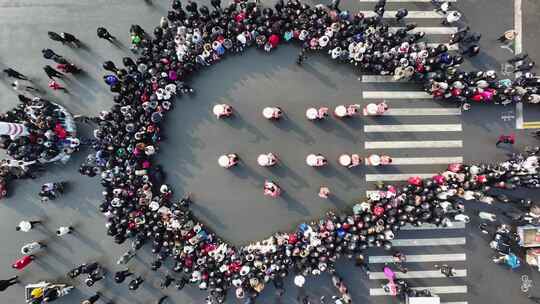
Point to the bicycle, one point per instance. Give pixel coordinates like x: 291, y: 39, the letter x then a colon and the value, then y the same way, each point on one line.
x: 526, y: 283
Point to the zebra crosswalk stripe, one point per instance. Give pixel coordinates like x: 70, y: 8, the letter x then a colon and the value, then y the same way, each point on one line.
x: 422, y: 112
x: 413, y: 144
x: 420, y: 258
x: 413, y: 128
x: 429, y: 242
x: 401, y: 1
x: 396, y: 95
x: 395, y: 177
x: 432, y: 289
x: 428, y: 274
x: 435, y: 30
x: 453, y: 225
x: 411, y: 14
x: 426, y: 160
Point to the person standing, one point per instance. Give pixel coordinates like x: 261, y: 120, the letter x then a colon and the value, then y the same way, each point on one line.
x: 69, y: 38
x: 21, y: 263
x: 21, y: 87
x: 121, y: 275
x: 26, y: 226
x: 31, y: 248
x: 93, y: 299
x: 14, y: 74
x: 4, y: 284
x: 508, y: 36
x: 54, y: 85
x: 506, y: 139
x: 51, y: 72
x: 63, y: 230
x: 103, y: 33
x: 135, y: 283
x: 401, y: 13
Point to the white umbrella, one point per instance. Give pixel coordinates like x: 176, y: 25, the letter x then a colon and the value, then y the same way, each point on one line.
x: 263, y: 160
x: 223, y: 161
x: 340, y: 111
x: 311, y: 160
x: 312, y: 114
x: 345, y: 160
x: 268, y: 112
x: 218, y: 110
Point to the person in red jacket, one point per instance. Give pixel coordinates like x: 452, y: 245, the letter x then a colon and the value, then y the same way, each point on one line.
x: 21, y: 263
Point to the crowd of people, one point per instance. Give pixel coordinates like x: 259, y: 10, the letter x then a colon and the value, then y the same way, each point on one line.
x: 139, y: 205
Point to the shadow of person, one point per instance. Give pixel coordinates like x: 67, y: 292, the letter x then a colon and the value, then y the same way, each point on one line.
x: 238, y: 122
x: 286, y: 124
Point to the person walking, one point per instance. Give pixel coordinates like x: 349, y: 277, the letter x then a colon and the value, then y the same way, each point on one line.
x: 54, y: 85
x: 70, y: 39
x: 31, y: 248
x: 506, y: 139
x: 14, y: 74
x: 93, y: 299
x: 452, y: 17
x: 135, y: 283
x: 21, y: 263
x: 103, y: 33
x: 121, y: 275
x: 55, y: 37
x: 26, y: 226
x: 51, y: 72
x: 448, y: 271
x: 4, y: 284
x: 63, y: 230
x: 471, y: 51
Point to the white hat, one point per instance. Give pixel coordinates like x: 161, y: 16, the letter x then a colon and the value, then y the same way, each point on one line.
x: 299, y: 280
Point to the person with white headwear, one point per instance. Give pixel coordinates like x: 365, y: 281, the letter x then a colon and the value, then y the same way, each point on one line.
x: 222, y: 110
x: 267, y: 159
x: 317, y: 114
x: 272, y: 112
x: 316, y: 160
x: 228, y: 160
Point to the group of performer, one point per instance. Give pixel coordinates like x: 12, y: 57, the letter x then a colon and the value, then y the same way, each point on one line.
x: 312, y: 113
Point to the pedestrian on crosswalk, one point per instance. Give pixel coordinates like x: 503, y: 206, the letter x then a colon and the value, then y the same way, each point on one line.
x: 451, y: 18
x: 448, y: 271
x: 508, y: 36
x: 63, y: 230
x: 14, y: 74
x: 401, y: 13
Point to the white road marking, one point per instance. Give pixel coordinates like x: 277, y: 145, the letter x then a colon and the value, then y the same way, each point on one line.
x: 454, y: 225
x: 413, y: 128
x: 428, y: 242
x: 411, y: 15
x: 396, y: 95
x: 426, y: 160
x: 395, y: 177
x: 433, y: 289
x: 431, y: 274
x: 421, y: 258
x: 519, y: 115
x: 422, y: 111
x: 413, y: 144
x: 436, y: 30
x: 389, y: 1
x: 518, y: 48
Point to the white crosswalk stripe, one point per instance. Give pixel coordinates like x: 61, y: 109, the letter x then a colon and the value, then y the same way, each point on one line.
x: 413, y: 128
x: 433, y: 289
x: 403, y: 1
x: 453, y: 225
x: 396, y: 95
x: 422, y: 112
x: 428, y: 242
x: 413, y: 144
x: 395, y: 177
x: 428, y: 274
x: 410, y: 15
x: 421, y: 258
x: 425, y: 160
x: 435, y: 30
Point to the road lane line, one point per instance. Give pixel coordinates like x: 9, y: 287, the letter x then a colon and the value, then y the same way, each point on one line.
x: 413, y: 128
x: 425, y: 160
x: 411, y: 15
x: 428, y: 242
x: 436, y: 30
x: 420, y: 258
x: 396, y: 95
x: 396, y: 177
x: 422, y: 112
x: 427, y: 274
x: 518, y: 48
x: 432, y: 289
x: 413, y: 144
